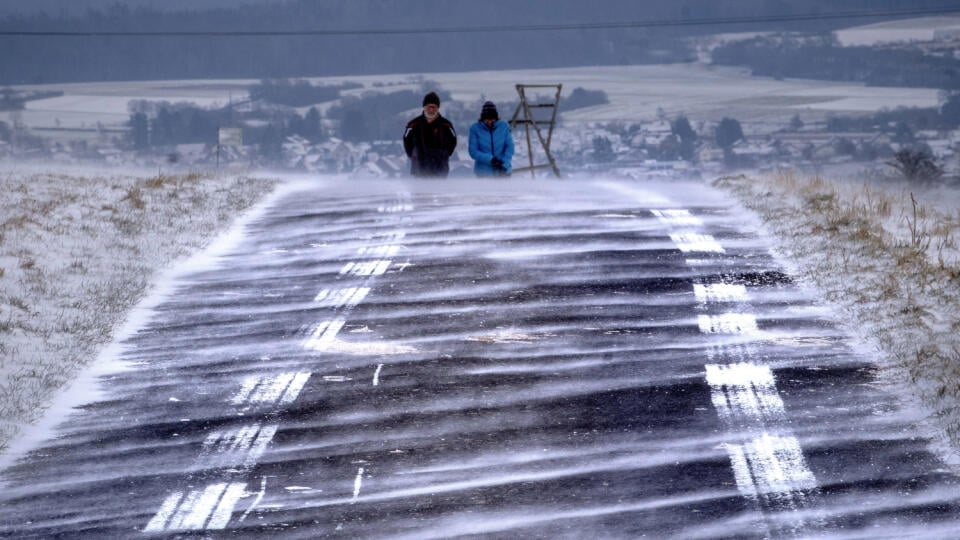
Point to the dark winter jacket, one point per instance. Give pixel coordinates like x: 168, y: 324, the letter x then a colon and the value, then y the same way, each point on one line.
x: 487, y: 144
x: 429, y: 146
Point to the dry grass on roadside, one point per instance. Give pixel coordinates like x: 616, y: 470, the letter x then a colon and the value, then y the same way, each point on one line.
x: 889, y: 260
x: 77, y: 253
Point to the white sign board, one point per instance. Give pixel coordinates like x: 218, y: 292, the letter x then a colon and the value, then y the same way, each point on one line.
x: 230, y: 137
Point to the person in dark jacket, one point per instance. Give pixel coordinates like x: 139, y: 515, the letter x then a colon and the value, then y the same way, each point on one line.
x: 430, y: 140
x: 491, y: 143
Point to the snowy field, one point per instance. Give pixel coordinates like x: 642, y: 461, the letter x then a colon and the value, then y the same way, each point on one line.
x: 78, y: 250
x: 919, y: 29
x: 636, y: 94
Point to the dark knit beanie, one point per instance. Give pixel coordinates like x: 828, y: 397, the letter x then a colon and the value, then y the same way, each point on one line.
x: 489, y: 111
x: 432, y: 97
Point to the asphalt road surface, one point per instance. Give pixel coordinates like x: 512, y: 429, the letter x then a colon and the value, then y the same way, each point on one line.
x: 500, y: 359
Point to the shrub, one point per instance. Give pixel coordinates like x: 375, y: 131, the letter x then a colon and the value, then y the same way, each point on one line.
x: 916, y: 165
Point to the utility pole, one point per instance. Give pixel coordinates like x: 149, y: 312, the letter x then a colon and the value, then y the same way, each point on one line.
x: 524, y: 115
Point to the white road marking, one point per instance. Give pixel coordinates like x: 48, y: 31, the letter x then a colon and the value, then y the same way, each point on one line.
x: 770, y: 464
x: 293, y: 390
x: 356, y: 483
x: 376, y: 375
x: 209, y: 508
x: 324, y: 334
x: 379, y: 251
x: 246, y: 388
x: 338, y: 298
x: 720, y: 292
x: 677, y: 217
x: 336, y: 378
x: 223, y: 512
x: 395, y: 208
x: 261, y: 390
x: 744, y: 392
x: 256, y: 501
x: 187, y: 505
x: 160, y: 519
x: 358, y: 296
x: 728, y: 323
x: 196, y: 517
x: 687, y: 242
x: 366, y: 268
x: 741, y: 470
x: 240, y: 447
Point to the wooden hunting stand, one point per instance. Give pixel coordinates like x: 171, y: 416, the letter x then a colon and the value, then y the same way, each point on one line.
x: 524, y: 116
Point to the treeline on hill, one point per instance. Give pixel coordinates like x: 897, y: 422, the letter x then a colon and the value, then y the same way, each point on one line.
x: 899, y: 121
x: 217, y: 52
x: 299, y: 93
x: 15, y: 100
x: 822, y: 58
x: 270, y: 117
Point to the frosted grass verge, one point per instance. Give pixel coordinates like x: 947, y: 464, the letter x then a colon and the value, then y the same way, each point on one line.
x: 77, y: 253
x: 889, y: 258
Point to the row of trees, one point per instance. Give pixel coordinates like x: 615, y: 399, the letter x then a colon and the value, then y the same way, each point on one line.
x: 296, y: 93
x: 162, y: 124
x: 903, y: 122
x: 821, y: 57
x: 369, y: 116
x: 681, y: 144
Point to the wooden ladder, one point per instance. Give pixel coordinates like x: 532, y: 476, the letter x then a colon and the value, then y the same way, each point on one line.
x: 524, y: 115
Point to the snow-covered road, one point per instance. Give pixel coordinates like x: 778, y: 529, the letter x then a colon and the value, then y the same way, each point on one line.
x: 438, y: 359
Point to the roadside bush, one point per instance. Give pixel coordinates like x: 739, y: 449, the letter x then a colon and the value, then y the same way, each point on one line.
x: 916, y: 165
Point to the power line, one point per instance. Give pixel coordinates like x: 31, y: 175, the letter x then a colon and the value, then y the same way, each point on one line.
x: 652, y: 23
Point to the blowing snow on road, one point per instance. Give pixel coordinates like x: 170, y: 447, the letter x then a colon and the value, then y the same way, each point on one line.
x: 408, y: 359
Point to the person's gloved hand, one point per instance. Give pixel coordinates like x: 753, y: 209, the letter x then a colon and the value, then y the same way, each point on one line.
x: 497, y: 163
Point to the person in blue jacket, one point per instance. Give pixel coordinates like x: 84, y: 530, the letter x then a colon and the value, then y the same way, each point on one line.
x: 491, y: 143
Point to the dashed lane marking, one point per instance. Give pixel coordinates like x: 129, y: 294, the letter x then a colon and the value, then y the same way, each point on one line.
x: 366, y: 268
x: 209, y: 508
x: 324, y: 334
x: 728, y: 323
x: 379, y: 251
x: 338, y: 298
x: 720, y: 292
x: 270, y: 389
x: 240, y: 447
x: 692, y: 242
x: 677, y: 217
x: 744, y: 393
x: 770, y: 464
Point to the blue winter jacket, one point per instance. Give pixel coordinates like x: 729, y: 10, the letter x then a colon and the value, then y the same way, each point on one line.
x: 486, y: 144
